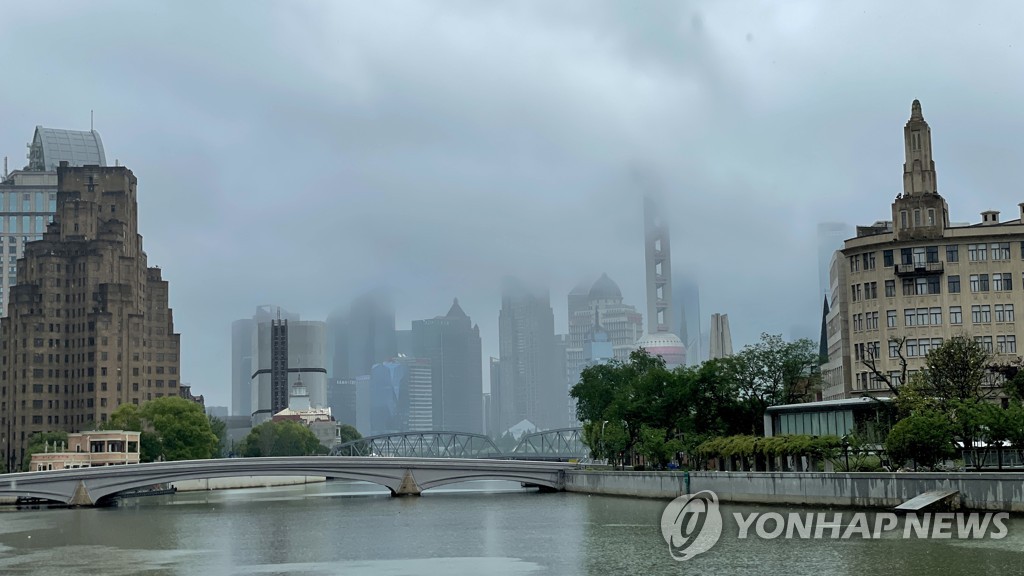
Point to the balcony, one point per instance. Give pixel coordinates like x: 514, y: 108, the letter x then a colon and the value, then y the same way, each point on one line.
x: 919, y: 269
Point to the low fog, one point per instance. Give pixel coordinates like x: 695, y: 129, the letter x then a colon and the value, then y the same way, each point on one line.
x: 302, y: 153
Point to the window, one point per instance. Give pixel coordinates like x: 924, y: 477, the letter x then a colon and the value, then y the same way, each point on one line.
x: 908, y: 287
x: 868, y: 260
x: 933, y: 285
x: 1001, y: 251
x: 1006, y: 344
x: 936, y: 316
x: 911, y: 347
x: 917, y: 217
x: 923, y: 346
x: 890, y: 319
x: 932, y: 253
x: 870, y: 290
x: 909, y: 315
x: 887, y: 256
x: 894, y: 348
x: 976, y: 252
x: 981, y: 314
x: 922, y: 316
x: 906, y: 256
x: 919, y: 256
x: 979, y: 282
x: 903, y: 219
x: 985, y: 341
x: 890, y: 288
x: 954, y: 284
x: 1004, y: 312
x: 854, y: 264
x: 1002, y: 282
x: 872, y: 320
x: 953, y: 252
x: 956, y: 315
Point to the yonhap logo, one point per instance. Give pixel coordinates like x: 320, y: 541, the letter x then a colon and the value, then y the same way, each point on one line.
x: 691, y: 524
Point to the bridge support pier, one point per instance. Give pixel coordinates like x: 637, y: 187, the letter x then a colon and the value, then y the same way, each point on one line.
x: 409, y: 487
x: 81, y: 496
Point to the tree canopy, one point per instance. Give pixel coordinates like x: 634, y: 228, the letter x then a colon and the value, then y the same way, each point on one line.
x: 172, y: 428
x: 282, y: 438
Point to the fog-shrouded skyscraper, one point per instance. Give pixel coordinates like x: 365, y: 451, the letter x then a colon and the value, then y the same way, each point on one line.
x: 602, y: 304
x: 831, y: 236
x: 285, y: 352
x: 686, y: 298
x: 660, y: 340
x: 28, y: 197
x: 243, y: 334
x: 532, y: 388
x: 371, y: 332
x: 416, y: 395
x: 89, y: 278
x: 452, y: 345
x: 720, y: 345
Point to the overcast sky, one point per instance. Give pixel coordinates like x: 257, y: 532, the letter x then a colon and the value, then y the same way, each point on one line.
x: 298, y: 153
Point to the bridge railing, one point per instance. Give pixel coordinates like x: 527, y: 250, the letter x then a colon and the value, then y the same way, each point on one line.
x: 559, y: 444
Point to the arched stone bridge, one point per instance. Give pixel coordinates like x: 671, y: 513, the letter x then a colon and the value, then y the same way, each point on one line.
x: 403, y: 476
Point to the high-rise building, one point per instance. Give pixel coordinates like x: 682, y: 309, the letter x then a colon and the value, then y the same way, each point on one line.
x: 386, y: 382
x: 720, y: 344
x: 831, y: 236
x: 337, y: 345
x: 371, y: 332
x: 601, y: 302
x: 918, y: 280
x: 452, y: 344
x: 416, y: 395
x: 493, y: 424
x: 243, y: 333
x: 88, y: 278
x: 660, y: 339
x: 686, y: 298
x: 28, y: 197
x: 284, y: 352
x: 531, y: 386
x: 835, y: 373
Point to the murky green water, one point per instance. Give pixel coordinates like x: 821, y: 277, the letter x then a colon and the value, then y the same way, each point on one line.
x: 490, y: 528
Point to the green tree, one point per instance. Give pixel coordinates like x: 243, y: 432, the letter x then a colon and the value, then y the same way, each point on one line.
x: 958, y: 371
x: 41, y: 442
x: 924, y: 437
x: 348, y: 433
x: 172, y: 428
x: 220, y: 430
x: 774, y: 372
x: 282, y: 438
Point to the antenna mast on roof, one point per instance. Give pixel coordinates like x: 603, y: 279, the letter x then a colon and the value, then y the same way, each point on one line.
x: 91, y: 129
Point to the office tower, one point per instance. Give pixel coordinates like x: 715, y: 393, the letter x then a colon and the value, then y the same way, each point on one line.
x: 416, y: 395
x: 493, y: 418
x: 624, y: 325
x: 86, y: 291
x: 686, y: 298
x: 660, y: 339
x: 831, y: 236
x: 720, y: 344
x: 371, y: 332
x: 28, y: 197
x: 243, y: 333
x: 284, y: 352
x: 386, y: 382
x: 452, y: 344
x: 531, y: 386
x: 337, y: 345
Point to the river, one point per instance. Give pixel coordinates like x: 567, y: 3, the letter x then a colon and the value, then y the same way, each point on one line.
x: 491, y: 528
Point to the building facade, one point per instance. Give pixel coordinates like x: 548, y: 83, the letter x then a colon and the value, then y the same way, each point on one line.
x: 916, y: 280
x: 416, y: 395
x: 28, y: 197
x: 243, y: 334
x: 285, y: 352
x: 88, y: 449
x: 452, y: 345
x: 660, y: 339
x: 531, y: 386
x: 88, y: 326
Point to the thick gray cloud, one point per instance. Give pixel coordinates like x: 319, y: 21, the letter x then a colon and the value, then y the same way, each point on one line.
x: 300, y: 153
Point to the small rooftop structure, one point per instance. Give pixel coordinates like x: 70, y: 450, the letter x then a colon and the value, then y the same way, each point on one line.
x: 51, y: 146
x: 89, y: 449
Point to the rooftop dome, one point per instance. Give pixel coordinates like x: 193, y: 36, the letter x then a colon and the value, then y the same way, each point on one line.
x: 51, y: 146
x: 660, y: 340
x: 666, y: 345
x: 605, y: 289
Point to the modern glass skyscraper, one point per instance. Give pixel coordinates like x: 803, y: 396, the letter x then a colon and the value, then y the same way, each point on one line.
x: 452, y: 345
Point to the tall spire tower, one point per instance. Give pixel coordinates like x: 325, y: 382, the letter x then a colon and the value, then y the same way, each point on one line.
x: 660, y: 339
x: 919, y: 213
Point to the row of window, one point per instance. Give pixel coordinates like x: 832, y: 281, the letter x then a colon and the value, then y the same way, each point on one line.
x: 980, y: 314
x: 931, y: 285
x: 920, y: 255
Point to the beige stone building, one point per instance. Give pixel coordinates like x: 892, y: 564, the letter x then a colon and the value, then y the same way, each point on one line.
x: 88, y: 449
x: 905, y: 285
x: 88, y: 325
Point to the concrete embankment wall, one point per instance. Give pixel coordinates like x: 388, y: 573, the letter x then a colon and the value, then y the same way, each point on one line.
x: 978, y: 491
x: 243, y: 482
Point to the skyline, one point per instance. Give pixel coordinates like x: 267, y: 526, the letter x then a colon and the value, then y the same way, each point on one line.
x: 499, y: 140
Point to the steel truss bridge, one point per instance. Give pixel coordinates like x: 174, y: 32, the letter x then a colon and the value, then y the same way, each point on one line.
x: 563, y: 444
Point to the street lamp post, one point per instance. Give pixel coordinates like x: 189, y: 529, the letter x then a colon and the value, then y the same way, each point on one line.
x: 846, y: 452
x: 604, y: 445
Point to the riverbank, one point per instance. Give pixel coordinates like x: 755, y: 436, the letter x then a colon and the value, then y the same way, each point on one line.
x: 978, y: 491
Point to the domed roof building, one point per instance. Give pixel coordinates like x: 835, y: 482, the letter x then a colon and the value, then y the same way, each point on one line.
x: 666, y: 345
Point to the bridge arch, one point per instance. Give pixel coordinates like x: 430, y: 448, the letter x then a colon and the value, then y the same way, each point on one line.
x: 560, y: 443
